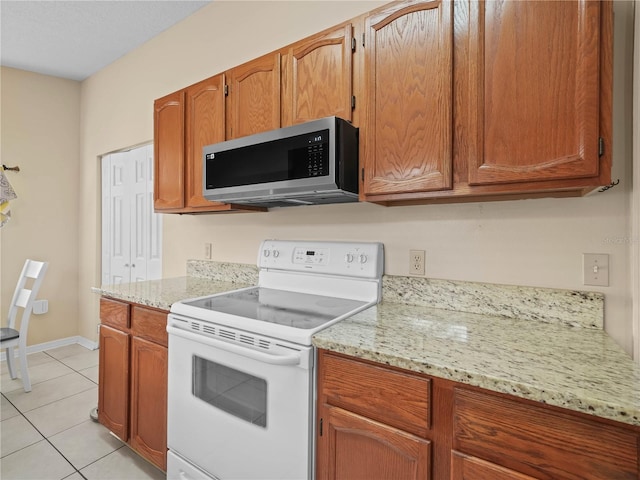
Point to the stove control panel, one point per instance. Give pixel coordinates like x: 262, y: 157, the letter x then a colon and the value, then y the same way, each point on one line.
x: 359, y: 259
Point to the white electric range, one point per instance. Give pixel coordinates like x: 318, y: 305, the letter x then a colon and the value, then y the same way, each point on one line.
x: 241, y: 364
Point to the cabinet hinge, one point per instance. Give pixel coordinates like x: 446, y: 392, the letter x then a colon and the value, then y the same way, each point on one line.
x: 363, y: 39
x: 601, y: 146
x: 353, y: 102
x: 320, y: 427
x: 353, y: 44
x: 226, y: 90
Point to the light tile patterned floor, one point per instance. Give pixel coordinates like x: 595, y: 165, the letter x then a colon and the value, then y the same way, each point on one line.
x: 47, y: 433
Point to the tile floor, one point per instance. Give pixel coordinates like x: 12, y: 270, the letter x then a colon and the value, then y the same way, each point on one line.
x: 47, y: 433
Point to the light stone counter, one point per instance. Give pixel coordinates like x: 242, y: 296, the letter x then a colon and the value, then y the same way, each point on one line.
x: 541, y: 344
x: 162, y: 293
x: 577, y: 368
x: 203, y: 278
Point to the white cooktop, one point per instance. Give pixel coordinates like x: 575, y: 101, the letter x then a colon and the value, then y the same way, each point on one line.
x: 303, y: 287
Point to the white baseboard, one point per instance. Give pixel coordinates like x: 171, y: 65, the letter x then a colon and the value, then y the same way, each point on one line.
x: 63, y: 342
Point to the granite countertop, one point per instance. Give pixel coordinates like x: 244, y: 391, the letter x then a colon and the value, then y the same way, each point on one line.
x: 541, y: 344
x: 162, y: 293
x: 577, y: 368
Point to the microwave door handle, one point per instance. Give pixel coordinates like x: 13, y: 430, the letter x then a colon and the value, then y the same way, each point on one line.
x: 292, y: 359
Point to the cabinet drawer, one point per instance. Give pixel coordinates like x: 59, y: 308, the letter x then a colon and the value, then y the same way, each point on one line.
x: 541, y: 443
x: 150, y: 324
x: 394, y: 398
x: 114, y: 313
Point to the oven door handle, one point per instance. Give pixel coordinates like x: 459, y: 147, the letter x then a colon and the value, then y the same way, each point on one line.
x: 290, y: 359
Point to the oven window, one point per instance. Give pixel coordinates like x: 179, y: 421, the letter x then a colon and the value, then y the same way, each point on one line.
x: 231, y: 390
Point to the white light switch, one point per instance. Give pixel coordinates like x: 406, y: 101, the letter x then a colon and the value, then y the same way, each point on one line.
x: 595, y: 267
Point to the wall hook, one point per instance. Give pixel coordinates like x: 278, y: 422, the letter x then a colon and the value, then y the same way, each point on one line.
x: 13, y: 169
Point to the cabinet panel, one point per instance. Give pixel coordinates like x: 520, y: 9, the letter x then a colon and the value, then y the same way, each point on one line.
x: 408, y: 85
x: 464, y: 467
x: 168, y: 142
x: 114, y: 313
x: 150, y: 324
x: 254, y: 97
x: 113, y: 394
x: 321, y: 69
x: 359, y: 448
x: 394, y: 398
x: 205, y: 124
x: 534, y: 90
x: 149, y: 400
x: 539, y: 442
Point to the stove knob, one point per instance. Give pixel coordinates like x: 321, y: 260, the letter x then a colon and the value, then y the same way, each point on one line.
x: 348, y: 258
x: 266, y: 253
x: 362, y: 258
x: 276, y: 254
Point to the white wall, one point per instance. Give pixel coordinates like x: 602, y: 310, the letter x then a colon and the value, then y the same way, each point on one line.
x: 527, y: 242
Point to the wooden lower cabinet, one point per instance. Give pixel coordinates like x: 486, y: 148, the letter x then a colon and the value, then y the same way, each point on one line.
x: 360, y: 448
x: 464, y: 467
x: 149, y: 400
x: 113, y: 381
x: 132, y: 390
x: 456, y: 431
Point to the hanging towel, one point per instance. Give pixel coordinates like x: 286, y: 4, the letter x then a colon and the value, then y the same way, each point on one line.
x: 6, y: 193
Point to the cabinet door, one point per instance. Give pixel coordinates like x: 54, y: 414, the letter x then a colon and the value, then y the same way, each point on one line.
x: 149, y: 400
x: 113, y: 387
x: 534, y: 90
x: 168, y: 118
x: 320, y: 70
x: 408, y: 86
x: 464, y: 467
x: 354, y: 447
x: 205, y: 124
x: 254, y: 97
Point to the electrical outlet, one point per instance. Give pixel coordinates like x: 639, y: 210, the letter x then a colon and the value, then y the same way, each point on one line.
x: 416, y: 262
x: 207, y: 251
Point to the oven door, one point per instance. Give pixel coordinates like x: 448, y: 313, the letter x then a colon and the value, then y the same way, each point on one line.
x: 239, y: 412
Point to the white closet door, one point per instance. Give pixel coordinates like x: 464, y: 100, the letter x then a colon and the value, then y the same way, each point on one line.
x: 131, y: 231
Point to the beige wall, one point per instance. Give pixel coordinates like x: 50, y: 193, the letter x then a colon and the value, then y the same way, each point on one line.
x: 528, y: 242
x: 41, y: 134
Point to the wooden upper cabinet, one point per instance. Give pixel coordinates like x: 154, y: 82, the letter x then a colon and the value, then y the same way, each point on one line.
x: 319, y: 77
x: 254, y: 96
x: 534, y: 90
x: 168, y: 120
x: 205, y: 124
x: 408, y: 87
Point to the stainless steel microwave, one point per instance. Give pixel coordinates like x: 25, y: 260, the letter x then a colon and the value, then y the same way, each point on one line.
x: 311, y: 163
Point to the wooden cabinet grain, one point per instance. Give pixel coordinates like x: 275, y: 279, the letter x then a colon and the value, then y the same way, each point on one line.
x: 531, y: 86
x: 375, y: 421
x: 254, y: 96
x: 113, y: 381
x: 534, y: 87
x: 455, y: 101
x: 168, y: 128
x: 318, y: 78
x: 360, y: 448
x: 465, y: 467
x: 132, y: 389
x: 408, y: 75
x: 539, y: 442
x: 185, y: 122
x: 149, y: 400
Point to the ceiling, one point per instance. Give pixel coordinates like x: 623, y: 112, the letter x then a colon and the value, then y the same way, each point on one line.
x: 75, y: 38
